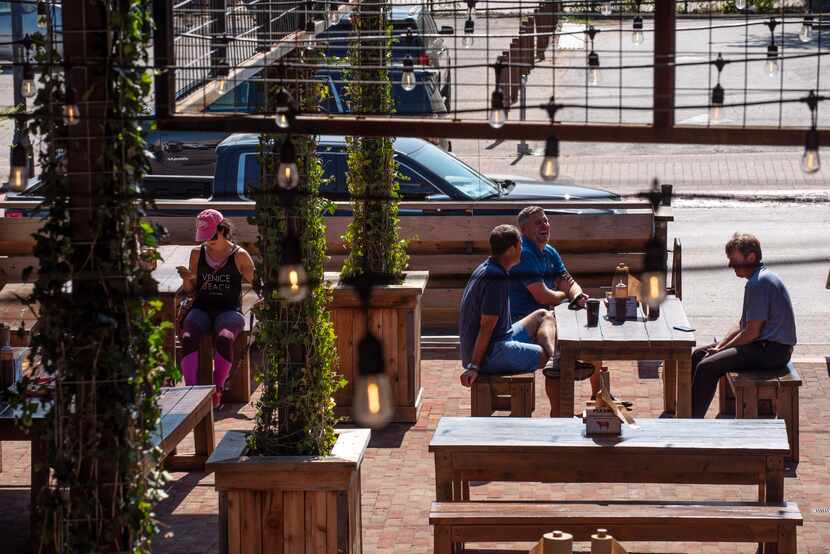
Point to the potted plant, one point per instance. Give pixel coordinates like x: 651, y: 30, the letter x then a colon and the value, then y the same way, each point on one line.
x: 377, y: 305
x: 292, y: 480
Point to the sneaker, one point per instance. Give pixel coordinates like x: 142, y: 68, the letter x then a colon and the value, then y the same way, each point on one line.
x: 551, y: 368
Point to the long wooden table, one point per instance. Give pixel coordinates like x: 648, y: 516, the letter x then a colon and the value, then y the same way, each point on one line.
x: 642, y: 339
x: 183, y: 409
x: 683, y: 451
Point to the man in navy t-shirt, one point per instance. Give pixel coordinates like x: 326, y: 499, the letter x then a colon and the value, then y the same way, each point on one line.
x: 489, y: 342
x: 541, y: 281
x: 764, y: 337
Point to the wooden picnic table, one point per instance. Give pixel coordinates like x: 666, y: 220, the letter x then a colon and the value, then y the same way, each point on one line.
x: 640, y: 339
x: 556, y: 450
x: 183, y: 409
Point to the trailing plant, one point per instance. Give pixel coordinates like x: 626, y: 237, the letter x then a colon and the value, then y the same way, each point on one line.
x: 373, y: 236
x: 295, y: 413
x: 98, y: 342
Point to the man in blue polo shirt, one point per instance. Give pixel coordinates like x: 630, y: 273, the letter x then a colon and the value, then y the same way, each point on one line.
x: 489, y: 342
x: 540, y: 281
x: 763, y: 339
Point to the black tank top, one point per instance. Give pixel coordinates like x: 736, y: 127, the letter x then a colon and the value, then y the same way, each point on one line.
x: 218, y: 290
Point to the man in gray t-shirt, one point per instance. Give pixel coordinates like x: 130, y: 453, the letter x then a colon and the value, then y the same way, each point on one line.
x: 765, y: 336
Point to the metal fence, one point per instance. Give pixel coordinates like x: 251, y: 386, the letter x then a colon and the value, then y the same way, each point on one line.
x: 211, y: 36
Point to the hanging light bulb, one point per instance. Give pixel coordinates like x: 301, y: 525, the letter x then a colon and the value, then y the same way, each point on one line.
x: 27, y: 86
x: 71, y: 111
x: 19, y: 168
x: 292, y: 277
x: 806, y: 32
x: 740, y: 4
x: 334, y: 15
x: 637, y: 37
x: 221, y: 68
x: 771, y: 65
x: 42, y: 15
x: 408, y: 81
x: 288, y: 175
x: 810, y: 161
x: 469, y: 29
x: 498, y: 113
x: 373, y: 404
x: 286, y: 109
x: 550, y: 165
x: 653, y: 282
x: 718, y: 96
x: 606, y: 8
x: 593, y: 68
x: 471, y: 9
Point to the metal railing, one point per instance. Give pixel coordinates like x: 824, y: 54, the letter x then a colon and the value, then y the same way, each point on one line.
x: 212, y: 37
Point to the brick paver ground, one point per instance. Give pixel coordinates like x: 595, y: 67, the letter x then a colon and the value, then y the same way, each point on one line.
x: 398, y: 478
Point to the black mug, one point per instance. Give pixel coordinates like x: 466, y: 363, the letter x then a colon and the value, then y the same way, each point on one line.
x: 593, y: 312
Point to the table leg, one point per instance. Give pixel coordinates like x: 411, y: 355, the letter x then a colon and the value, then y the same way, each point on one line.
x: 567, y: 370
x: 684, y: 387
x: 443, y: 477
x: 670, y: 386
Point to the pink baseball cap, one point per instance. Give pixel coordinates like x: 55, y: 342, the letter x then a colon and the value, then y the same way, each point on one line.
x: 206, y: 223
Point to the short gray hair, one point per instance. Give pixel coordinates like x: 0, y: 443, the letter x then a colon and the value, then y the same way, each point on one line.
x: 527, y: 213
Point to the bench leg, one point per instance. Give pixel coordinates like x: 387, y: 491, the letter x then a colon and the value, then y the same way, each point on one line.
x: 684, y: 387
x: 203, y: 436
x: 481, y: 400
x: 442, y: 540
x: 552, y: 390
x: 670, y: 386
x: 521, y: 400
x: 726, y: 400
x: 787, y: 409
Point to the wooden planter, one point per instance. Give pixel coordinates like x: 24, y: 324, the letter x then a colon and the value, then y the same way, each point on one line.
x: 283, y: 504
x: 395, y: 317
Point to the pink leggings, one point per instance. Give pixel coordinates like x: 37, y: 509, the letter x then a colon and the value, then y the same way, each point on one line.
x: 226, y: 326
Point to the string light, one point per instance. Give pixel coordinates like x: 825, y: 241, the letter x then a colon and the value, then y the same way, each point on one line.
x: 740, y: 4
x: 288, y: 176
x: 469, y: 29
x: 718, y: 94
x: 19, y: 167
x: 471, y: 9
x: 71, y: 111
x: 27, y: 85
x: 292, y: 278
x: 310, y: 28
x: 810, y: 161
x: 606, y: 8
x: 286, y: 108
x: 637, y: 37
x: 806, y: 32
x: 373, y: 403
x: 408, y: 80
x: 593, y: 57
x: 498, y: 107
x: 42, y: 15
x: 653, y: 284
x: 549, y: 170
x: 771, y: 65
x: 222, y: 69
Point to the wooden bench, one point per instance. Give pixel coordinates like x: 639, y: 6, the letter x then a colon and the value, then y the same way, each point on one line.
x: 459, y: 522
x: 764, y: 394
x: 507, y: 393
x: 185, y: 410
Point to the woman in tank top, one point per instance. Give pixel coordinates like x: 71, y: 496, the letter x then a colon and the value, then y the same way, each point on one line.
x: 217, y: 269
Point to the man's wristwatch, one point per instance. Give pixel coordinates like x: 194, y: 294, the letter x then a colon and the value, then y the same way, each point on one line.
x: 472, y: 366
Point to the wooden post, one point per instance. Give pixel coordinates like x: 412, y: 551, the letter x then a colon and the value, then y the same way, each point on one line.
x: 664, y: 73
x: 164, y: 56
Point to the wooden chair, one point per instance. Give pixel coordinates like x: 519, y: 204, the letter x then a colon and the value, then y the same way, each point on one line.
x: 513, y: 393
x: 764, y: 395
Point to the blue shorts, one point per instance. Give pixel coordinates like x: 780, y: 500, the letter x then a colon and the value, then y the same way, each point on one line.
x: 516, y: 354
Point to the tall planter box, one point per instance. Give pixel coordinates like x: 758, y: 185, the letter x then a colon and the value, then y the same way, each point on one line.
x: 287, y: 504
x: 395, y: 318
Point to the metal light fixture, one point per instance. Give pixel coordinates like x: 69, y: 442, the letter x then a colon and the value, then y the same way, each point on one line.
x: 71, y: 111
x: 471, y: 9
x: 333, y: 14
x: 771, y: 64
x: 42, y: 15
x: 310, y: 28
x: 292, y: 277
x: 810, y: 160
x: 653, y: 286
x: 593, y: 57
x: 637, y: 36
x: 286, y: 109
x: 740, y: 4
x: 373, y: 404
x: 549, y: 169
x: 718, y: 94
x: 288, y: 175
x: 222, y: 69
x: 469, y: 29
x: 498, y: 107
x: 408, y: 80
x: 19, y: 167
x: 806, y: 32
x: 27, y: 85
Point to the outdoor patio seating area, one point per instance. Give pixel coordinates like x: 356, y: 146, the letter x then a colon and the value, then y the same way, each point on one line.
x: 399, y: 480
